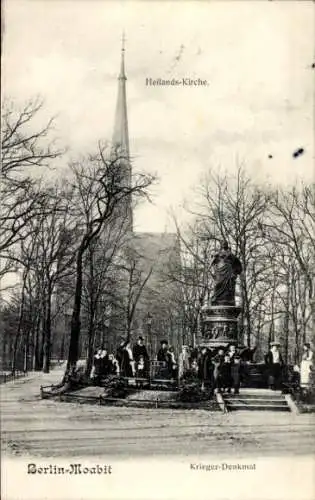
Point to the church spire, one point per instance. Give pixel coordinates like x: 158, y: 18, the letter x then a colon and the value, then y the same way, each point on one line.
x: 121, y: 136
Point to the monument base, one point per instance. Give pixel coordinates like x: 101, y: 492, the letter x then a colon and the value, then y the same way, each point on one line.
x: 219, y: 325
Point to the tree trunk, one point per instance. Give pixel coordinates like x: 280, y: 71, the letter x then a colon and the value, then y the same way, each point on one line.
x: 90, y: 349
x: 312, y: 304
x: 36, y: 358
x: 4, y: 351
x: 92, y: 311
x: 248, y: 324
x: 18, y: 333
x: 63, y: 341
x: 43, y: 328
x: 47, y: 327
x: 75, y: 321
x: 286, y: 321
x: 271, y: 337
x: 25, y: 357
x: 26, y: 351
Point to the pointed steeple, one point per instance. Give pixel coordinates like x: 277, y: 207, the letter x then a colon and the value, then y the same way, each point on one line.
x: 121, y: 135
x: 121, y: 138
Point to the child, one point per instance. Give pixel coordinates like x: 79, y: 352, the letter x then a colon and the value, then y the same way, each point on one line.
x: 114, y: 365
x: 173, y: 368
x: 194, y: 367
x: 141, y: 367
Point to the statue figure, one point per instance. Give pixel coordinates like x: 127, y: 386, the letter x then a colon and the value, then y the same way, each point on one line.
x: 226, y: 267
x: 225, y: 331
x: 215, y: 332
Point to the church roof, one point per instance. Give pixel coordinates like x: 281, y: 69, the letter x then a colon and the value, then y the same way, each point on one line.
x: 157, y: 248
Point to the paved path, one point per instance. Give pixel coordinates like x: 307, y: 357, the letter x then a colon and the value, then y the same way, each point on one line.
x: 35, y: 427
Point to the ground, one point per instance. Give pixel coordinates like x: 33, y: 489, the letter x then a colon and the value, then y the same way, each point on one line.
x: 34, y: 427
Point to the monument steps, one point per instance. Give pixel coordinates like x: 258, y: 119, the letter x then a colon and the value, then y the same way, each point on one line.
x: 263, y: 397
x: 261, y: 400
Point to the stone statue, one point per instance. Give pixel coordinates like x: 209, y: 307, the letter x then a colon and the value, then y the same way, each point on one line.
x: 225, y: 268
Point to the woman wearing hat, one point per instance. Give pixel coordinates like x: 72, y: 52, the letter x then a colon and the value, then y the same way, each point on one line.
x: 274, y: 364
x: 306, y: 366
x: 164, y: 359
x: 140, y: 351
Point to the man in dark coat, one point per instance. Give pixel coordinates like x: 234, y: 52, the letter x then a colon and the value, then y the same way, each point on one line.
x: 205, y: 369
x: 274, y: 364
x: 225, y: 374
x: 96, y: 373
x: 140, y: 350
x: 127, y: 364
x: 120, y: 352
x: 236, y: 367
x: 104, y: 363
x: 164, y: 358
x: 162, y: 355
x: 193, y: 354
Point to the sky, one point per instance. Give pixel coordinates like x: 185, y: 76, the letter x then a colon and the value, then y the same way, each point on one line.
x: 256, y: 57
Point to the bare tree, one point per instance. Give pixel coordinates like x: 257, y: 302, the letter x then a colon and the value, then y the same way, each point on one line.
x: 192, y: 275
x: 98, y: 287
x: 135, y: 272
x: 290, y: 228
x: 101, y: 189
x: 46, y: 255
x: 24, y: 150
x: 232, y: 208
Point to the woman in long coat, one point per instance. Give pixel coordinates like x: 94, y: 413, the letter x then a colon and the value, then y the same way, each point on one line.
x: 306, y: 366
x: 127, y: 362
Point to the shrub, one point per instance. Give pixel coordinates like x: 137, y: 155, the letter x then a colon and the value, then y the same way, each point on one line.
x: 77, y: 378
x: 115, y: 387
x: 190, y: 392
x: 189, y: 377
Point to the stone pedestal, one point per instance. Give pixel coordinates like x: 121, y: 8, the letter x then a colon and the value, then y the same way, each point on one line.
x: 219, y: 325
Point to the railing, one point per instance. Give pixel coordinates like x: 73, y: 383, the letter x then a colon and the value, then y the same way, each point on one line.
x: 155, y: 402
x: 8, y: 376
x: 158, y: 375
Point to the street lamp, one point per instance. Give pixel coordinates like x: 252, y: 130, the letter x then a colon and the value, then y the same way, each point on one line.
x: 149, y: 324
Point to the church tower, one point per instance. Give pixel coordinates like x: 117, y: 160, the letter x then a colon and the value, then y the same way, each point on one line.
x: 121, y: 137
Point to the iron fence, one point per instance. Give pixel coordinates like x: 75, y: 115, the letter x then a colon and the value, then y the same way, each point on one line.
x: 8, y: 376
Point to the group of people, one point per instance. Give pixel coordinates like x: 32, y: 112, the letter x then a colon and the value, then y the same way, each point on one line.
x: 133, y: 361
x: 216, y: 369
x: 275, y: 366
x: 104, y: 364
x: 127, y: 362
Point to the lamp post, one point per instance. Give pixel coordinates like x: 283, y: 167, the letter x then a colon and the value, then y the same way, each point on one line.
x: 108, y: 311
x: 105, y: 331
x: 149, y: 324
